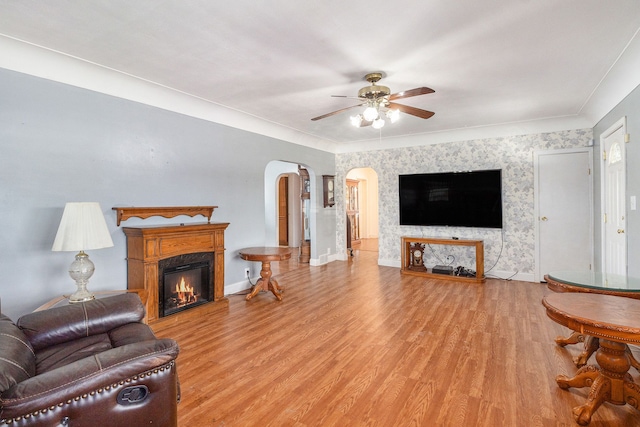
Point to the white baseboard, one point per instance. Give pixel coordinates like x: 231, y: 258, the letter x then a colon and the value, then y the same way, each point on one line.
x: 342, y: 257
x: 243, y: 285
x: 497, y: 274
x: 234, y: 288
x: 323, y: 259
x: 389, y: 262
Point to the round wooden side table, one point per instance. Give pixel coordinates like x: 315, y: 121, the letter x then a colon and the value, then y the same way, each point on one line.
x: 615, y: 321
x: 265, y: 255
x: 597, y: 283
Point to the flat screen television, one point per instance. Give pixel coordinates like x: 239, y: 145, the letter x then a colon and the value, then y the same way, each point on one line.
x: 455, y: 199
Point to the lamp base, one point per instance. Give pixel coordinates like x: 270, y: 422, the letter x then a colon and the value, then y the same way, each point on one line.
x: 81, y: 270
x: 79, y: 296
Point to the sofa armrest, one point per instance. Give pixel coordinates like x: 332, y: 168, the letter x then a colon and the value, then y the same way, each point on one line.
x: 87, y: 376
x: 61, y: 324
x: 17, y: 358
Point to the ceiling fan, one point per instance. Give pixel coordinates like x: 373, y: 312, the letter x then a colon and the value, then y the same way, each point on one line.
x: 378, y: 101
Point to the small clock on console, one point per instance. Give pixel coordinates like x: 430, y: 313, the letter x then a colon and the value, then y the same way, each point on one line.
x: 416, y: 262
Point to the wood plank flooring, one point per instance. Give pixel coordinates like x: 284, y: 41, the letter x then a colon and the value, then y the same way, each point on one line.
x: 356, y: 344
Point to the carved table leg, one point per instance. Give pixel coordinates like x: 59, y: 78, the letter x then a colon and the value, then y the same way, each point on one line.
x: 256, y: 289
x: 590, y: 346
x: 634, y: 362
x: 583, y: 378
x: 611, y: 382
x: 632, y: 394
x: 275, y: 289
x: 574, y: 338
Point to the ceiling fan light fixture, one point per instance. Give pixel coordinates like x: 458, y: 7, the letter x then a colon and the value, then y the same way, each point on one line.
x: 378, y: 123
x: 357, y: 120
x: 393, y: 115
x: 380, y: 104
x: 370, y: 113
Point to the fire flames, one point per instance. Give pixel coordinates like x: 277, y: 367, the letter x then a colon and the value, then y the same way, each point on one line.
x: 185, y: 293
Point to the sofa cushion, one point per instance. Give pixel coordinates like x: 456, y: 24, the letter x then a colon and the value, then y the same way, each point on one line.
x: 63, y: 354
x: 17, y: 359
x: 130, y: 333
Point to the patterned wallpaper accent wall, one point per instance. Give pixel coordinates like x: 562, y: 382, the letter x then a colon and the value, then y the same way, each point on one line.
x: 510, y: 251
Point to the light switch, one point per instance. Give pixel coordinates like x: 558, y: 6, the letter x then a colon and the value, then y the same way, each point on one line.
x: 632, y: 203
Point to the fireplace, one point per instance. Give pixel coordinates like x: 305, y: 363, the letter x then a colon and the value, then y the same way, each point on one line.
x: 150, y: 247
x: 184, y: 282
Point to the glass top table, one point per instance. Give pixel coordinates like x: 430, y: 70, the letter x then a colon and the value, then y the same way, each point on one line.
x: 598, y: 282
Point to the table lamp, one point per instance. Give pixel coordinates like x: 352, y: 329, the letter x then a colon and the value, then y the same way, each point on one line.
x: 82, y: 227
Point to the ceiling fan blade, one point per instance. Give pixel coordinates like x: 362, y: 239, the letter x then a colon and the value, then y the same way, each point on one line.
x: 412, y: 92
x: 335, y: 112
x: 423, y: 114
x: 345, y: 96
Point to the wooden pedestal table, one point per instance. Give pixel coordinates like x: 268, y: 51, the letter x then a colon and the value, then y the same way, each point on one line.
x: 597, y: 283
x: 616, y: 322
x: 266, y: 255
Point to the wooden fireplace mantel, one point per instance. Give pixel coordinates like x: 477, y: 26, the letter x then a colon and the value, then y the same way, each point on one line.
x: 124, y: 213
x: 146, y: 246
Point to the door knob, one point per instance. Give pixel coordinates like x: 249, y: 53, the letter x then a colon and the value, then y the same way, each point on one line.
x: 620, y: 231
x: 544, y: 218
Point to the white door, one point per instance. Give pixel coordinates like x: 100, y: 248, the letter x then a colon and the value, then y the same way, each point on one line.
x: 614, y: 240
x: 564, y: 210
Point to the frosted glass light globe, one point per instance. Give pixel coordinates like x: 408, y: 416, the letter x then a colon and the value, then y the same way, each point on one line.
x: 370, y: 114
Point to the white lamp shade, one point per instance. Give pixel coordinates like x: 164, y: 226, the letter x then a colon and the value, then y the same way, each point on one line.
x: 82, y: 227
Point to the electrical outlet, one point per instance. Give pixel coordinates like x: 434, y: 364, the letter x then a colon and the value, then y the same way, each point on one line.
x: 247, y: 273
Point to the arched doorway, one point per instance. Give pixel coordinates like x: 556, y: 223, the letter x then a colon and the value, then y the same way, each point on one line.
x: 361, y: 205
x: 275, y: 171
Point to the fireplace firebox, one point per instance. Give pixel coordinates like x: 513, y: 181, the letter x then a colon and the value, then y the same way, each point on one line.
x: 184, y: 282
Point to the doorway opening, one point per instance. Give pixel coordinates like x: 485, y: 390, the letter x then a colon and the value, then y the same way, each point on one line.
x: 283, y: 210
x: 361, y: 205
x: 287, y: 218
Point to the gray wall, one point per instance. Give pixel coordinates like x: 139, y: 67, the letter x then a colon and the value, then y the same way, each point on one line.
x: 629, y: 107
x: 59, y: 143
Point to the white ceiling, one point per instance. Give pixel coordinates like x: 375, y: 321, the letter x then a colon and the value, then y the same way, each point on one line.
x: 492, y: 63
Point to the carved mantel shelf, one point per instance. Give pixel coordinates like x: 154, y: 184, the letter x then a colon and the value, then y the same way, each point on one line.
x: 124, y: 213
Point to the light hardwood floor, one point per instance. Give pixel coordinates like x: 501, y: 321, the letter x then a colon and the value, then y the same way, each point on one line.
x: 356, y: 344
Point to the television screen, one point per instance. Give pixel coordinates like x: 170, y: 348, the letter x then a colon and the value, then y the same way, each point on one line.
x: 456, y: 199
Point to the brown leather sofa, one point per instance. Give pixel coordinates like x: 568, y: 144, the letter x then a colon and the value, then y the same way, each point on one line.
x: 87, y: 364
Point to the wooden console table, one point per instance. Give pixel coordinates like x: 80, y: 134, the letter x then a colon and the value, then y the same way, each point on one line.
x: 406, y: 257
